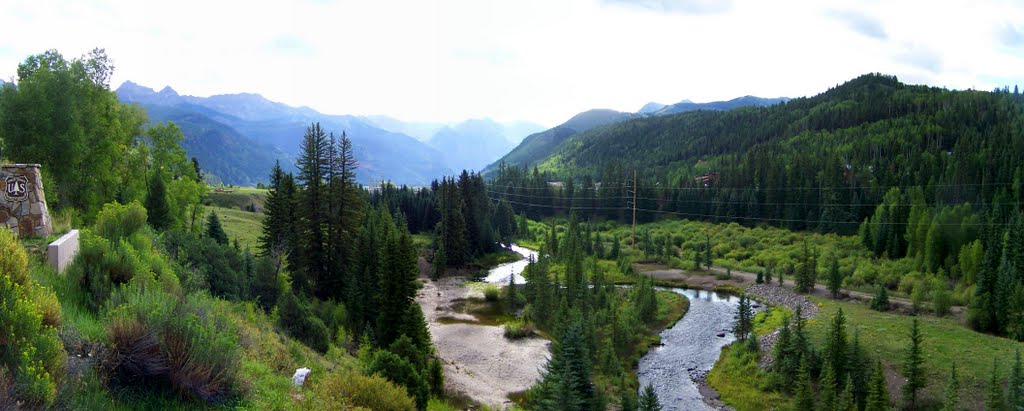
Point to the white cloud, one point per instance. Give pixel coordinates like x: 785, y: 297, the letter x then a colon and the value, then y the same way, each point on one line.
x: 533, y: 60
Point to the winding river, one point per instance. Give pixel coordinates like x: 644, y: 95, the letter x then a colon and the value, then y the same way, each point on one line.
x: 689, y: 350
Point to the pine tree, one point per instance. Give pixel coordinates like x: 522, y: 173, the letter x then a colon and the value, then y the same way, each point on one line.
x: 744, y: 323
x: 511, y: 296
x: 804, y: 389
x: 760, y: 277
x: 707, y: 250
x: 878, y: 394
x: 440, y: 263
x: 214, y: 230
x: 158, y: 212
x: 857, y: 367
x: 628, y: 400
x: 1014, y: 396
x: 616, y: 248
x: 951, y: 402
x: 768, y: 274
x: 277, y: 222
x: 649, y: 400
x: 881, y: 300
x: 913, y: 369
x: 827, y: 387
x: 311, y: 207
x: 835, y: 279
x: 807, y: 272
x: 846, y: 402
x: 836, y: 347
x: 994, y: 400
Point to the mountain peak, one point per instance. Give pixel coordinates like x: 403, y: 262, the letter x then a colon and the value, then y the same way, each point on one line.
x: 168, y: 91
x: 650, y: 108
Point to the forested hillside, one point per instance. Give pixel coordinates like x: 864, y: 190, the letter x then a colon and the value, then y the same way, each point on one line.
x: 820, y: 163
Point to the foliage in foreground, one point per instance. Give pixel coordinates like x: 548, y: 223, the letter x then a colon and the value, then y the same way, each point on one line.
x: 32, y: 358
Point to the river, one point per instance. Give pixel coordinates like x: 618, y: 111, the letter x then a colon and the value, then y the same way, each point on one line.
x: 499, y: 274
x: 690, y: 348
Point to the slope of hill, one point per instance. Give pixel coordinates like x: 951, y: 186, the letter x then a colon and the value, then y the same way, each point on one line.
x: 475, y: 143
x: 745, y: 101
x: 537, y: 146
x: 263, y: 125
x: 822, y: 162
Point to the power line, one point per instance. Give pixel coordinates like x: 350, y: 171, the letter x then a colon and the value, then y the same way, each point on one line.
x: 721, y: 217
x: 747, y: 188
x: 766, y: 203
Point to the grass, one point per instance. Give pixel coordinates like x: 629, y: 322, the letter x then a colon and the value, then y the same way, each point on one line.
x: 240, y: 198
x: 771, y: 319
x: 238, y: 224
x: 741, y: 384
x: 491, y: 260
x: 946, y: 342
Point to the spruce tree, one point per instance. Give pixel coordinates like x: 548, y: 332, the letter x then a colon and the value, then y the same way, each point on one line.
x: 628, y: 400
x: 158, y: 212
x: 804, y: 389
x: 649, y: 400
x: 836, y: 350
x: 835, y: 280
x: 768, y: 274
x: 707, y: 250
x: 214, y: 230
x: 1014, y: 396
x: 878, y: 394
x: 616, y: 248
x: 881, y: 300
x: 276, y: 217
x: 857, y: 367
x: 760, y: 277
x: 951, y: 400
x: 846, y: 402
x: 311, y: 209
x: 827, y: 387
x: 913, y: 367
x: 440, y: 263
x: 994, y: 399
x: 744, y: 323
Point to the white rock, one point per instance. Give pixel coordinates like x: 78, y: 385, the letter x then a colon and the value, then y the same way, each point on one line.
x: 300, y: 376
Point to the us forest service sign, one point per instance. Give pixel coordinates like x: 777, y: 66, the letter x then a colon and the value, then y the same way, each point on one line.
x: 16, y: 188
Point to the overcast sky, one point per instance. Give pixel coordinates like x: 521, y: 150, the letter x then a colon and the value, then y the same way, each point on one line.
x: 541, y: 61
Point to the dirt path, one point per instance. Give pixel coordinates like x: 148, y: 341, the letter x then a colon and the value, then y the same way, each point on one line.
x: 478, y: 360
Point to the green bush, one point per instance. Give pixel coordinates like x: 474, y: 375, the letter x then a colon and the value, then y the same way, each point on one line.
x: 517, y: 329
x: 163, y: 341
x: 399, y: 371
x: 491, y: 293
x: 119, y: 221
x: 344, y: 390
x: 101, y: 265
x: 32, y: 358
x: 297, y: 320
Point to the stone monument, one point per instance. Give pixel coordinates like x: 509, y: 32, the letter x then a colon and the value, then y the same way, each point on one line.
x: 22, y: 203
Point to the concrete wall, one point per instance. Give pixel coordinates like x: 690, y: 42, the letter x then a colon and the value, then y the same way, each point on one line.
x: 22, y: 202
x: 60, y: 253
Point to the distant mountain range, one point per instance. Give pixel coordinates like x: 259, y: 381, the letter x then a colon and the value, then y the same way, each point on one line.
x: 237, y: 137
x: 469, y: 145
x: 539, y: 146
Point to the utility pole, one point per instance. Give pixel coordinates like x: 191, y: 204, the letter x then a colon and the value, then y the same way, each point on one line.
x: 634, y: 210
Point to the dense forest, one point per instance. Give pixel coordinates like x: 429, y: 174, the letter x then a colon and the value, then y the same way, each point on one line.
x: 923, y: 175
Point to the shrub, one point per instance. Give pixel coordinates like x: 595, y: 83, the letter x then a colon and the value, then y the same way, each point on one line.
x: 491, y: 293
x: 517, y: 329
x: 298, y: 321
x: 31, y: 354
x: 117, y: 221
x: 399, y: 371
x: 101, y: 265
x: 342, y: 390
x: 164, y: 341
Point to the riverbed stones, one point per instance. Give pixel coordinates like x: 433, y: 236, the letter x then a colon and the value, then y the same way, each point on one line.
x: 22, y: 200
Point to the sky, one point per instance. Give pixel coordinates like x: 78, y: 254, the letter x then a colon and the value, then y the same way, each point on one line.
x: 540, y: 61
